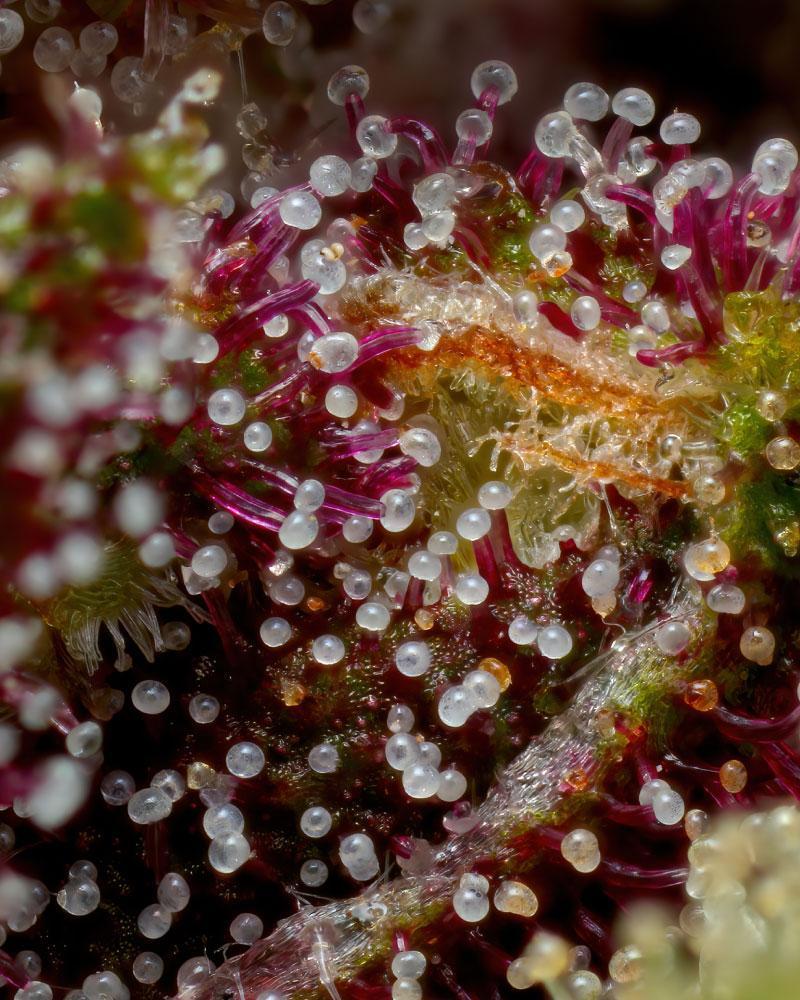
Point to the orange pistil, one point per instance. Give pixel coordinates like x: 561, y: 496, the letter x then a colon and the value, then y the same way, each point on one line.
x: 523, y: 368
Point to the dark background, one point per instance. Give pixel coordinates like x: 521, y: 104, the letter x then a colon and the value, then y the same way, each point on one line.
x: 734, y: 63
